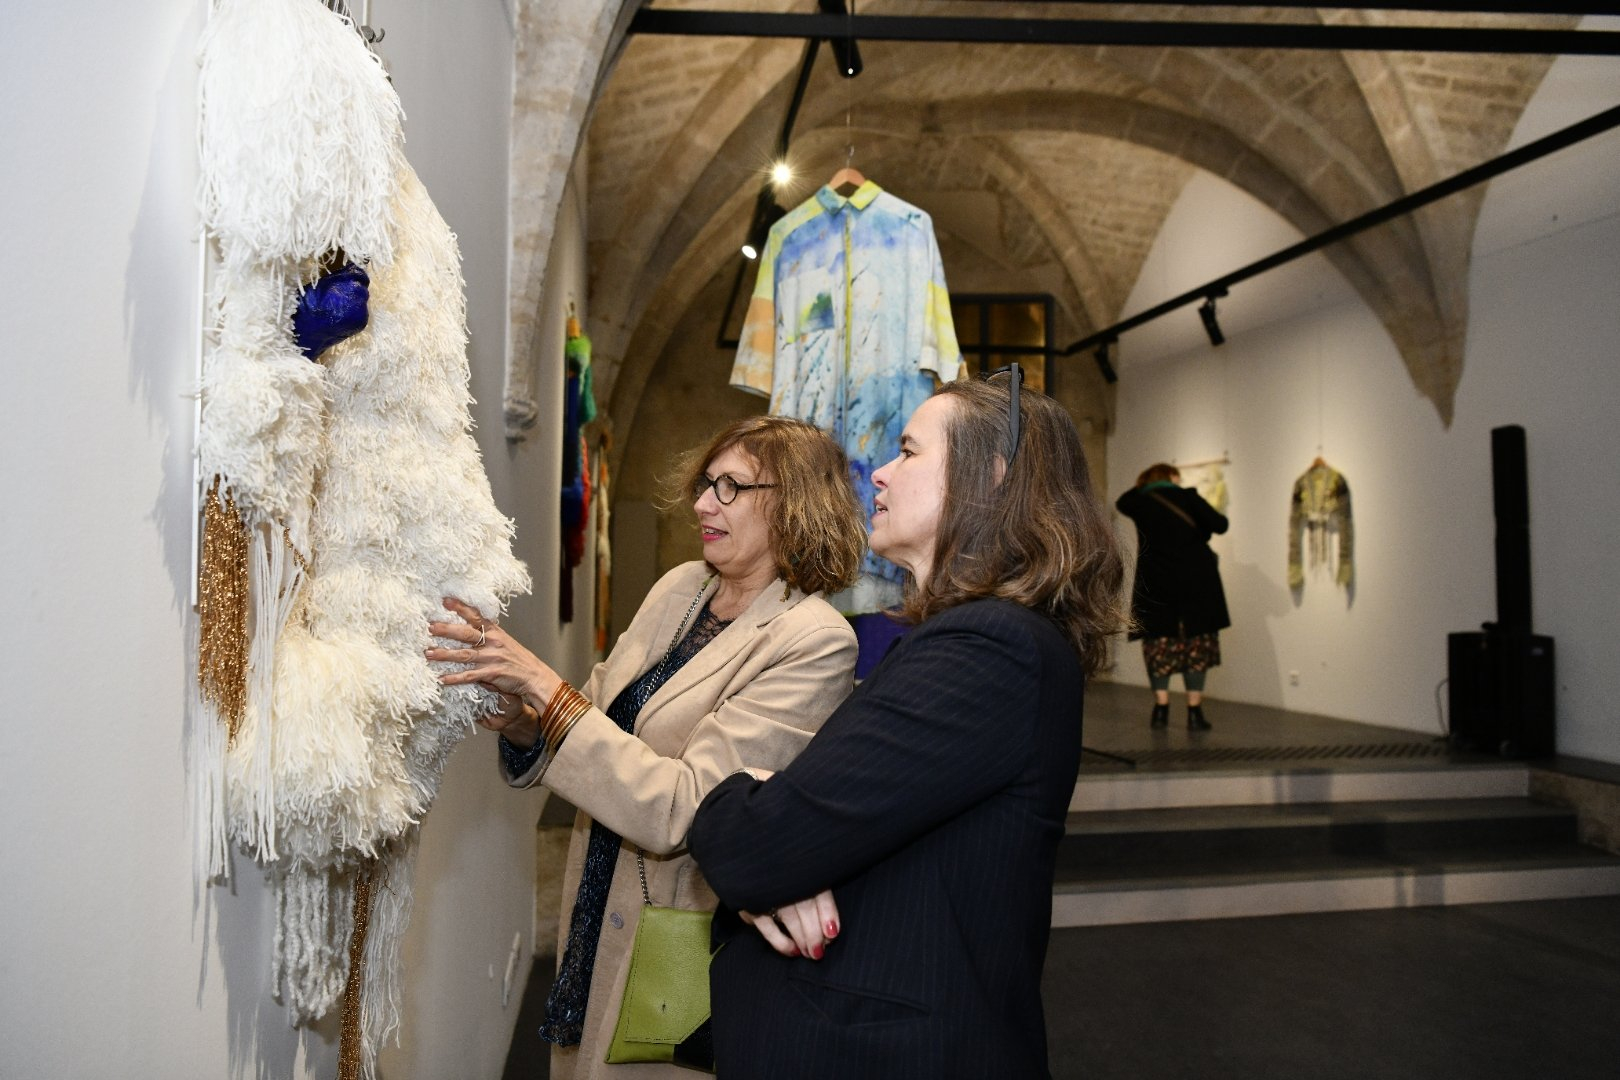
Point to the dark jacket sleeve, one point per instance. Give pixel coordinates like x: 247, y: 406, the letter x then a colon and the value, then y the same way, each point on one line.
x: 1206, y: 515
x: 948, y: 719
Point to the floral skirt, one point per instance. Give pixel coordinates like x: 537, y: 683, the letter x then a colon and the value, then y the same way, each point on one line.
x: 1168, y: 655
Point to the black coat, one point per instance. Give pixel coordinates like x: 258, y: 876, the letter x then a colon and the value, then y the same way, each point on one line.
x: 931, y: 802
x: 1178, y: 585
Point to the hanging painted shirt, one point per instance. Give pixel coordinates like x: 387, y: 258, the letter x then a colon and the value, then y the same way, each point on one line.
x: 850, y: 325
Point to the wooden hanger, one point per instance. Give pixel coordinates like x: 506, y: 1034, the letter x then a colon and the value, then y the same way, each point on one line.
x: 572, y: 329
x: 849, y: 174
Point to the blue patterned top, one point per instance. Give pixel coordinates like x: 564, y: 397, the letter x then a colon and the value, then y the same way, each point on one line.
x: 850, y: 325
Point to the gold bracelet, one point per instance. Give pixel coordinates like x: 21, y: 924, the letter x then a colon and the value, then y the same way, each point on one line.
x: 563, y: 711
x: 557, y: 692
x: 574, y: 706
x: 548, y: 715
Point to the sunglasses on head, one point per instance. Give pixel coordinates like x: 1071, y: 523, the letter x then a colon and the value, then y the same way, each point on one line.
x: 1015, y: 374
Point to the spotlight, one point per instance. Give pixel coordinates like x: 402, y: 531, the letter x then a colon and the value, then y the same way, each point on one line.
x: 1108, y: 373
x: 1206, y: 311
x: 767, y: 213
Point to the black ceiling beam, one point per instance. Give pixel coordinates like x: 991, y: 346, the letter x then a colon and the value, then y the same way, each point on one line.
x: 1010, y: 31
x: 1547, y: 144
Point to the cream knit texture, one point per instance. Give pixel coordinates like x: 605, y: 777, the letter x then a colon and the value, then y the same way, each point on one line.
x: 359, y: 479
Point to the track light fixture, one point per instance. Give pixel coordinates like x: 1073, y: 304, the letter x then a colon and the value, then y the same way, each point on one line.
x: 1108, y: 373
x: 766, y: 214
x: 1206, y: 311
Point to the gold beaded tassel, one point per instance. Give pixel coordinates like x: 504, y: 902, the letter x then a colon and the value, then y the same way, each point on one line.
x: 222, y: 610
x: 349, y: 1049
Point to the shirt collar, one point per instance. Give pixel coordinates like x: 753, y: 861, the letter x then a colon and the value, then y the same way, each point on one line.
x: 860, y: 200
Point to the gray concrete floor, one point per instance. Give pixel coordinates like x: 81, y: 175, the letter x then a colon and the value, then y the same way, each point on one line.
x: 1116, y: 721
x: 1484, y: 992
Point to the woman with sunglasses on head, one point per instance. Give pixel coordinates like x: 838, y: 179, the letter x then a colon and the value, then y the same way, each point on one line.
x: 923, y: 820
x: 730, y: 662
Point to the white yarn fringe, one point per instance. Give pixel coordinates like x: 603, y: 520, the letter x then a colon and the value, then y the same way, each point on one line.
x: 310, y: 954
x: 301, y: 134
x: 211, y: 861
x: 276, y: 581
x: 382, y: 996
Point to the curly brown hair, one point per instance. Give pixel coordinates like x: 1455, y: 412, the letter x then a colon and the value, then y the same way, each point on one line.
x: 1037, y: 535
x: 817, y: 530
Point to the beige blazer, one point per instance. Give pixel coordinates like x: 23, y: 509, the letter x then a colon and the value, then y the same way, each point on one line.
x: 752, y: 696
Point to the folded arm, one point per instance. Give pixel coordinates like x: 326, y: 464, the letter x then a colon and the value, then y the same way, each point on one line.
x: 939, y: 728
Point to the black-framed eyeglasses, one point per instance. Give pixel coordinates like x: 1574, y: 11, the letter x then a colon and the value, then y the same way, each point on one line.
x: 725, y: 487
x: 1015, y: 377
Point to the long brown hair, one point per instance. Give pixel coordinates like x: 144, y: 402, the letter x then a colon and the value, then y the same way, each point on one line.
x: 1036, y: 535
x: 817, y: 531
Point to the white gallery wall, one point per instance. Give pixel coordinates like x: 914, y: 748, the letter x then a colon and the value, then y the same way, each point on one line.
x: 110, y: 964
x: 1307, y: 369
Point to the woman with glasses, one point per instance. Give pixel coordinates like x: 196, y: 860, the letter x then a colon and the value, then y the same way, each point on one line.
x: 923, y: 820
x: 730, y: 662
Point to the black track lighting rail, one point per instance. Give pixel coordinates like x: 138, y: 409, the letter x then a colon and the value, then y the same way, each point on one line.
x: 1558, y: 140
x: 1467, y: 7
x: 1227, y: 35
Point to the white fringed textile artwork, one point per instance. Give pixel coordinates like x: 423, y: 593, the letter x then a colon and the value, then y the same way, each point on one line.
x: 300, y: 133
x: 357, y: 481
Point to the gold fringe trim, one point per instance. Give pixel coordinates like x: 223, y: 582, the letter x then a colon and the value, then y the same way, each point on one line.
x: 349, y: 1056
x: 222, y: 610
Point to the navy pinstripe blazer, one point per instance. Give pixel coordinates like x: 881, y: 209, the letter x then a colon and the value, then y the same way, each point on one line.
x: 932, y: 803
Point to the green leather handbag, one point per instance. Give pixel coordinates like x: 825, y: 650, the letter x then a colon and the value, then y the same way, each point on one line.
x: 664, y: 1015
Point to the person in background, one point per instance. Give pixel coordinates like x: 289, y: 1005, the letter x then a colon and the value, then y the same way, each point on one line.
x: 905, y: 859
x: 1177, y: 600
x: 732, y: 661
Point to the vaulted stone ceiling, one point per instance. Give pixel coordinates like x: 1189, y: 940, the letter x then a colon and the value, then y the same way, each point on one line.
x: 1046, y: 168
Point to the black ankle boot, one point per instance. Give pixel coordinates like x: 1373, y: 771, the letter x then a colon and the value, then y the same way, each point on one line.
x: 1195, y: 719
x: 1161, y: 717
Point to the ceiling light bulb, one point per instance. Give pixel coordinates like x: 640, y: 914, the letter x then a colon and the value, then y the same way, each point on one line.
x: 781, y: 173
x: 749, y: 253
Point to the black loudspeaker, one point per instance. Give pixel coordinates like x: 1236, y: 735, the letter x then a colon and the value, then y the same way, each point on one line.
x: 1502, y: 676
x: 1510, y: 496
x: 1502, y: 692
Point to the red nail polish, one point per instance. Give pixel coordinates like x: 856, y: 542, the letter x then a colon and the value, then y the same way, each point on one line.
x: 832, y: 929
x: 795, y: 951
x: 816, y: 953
